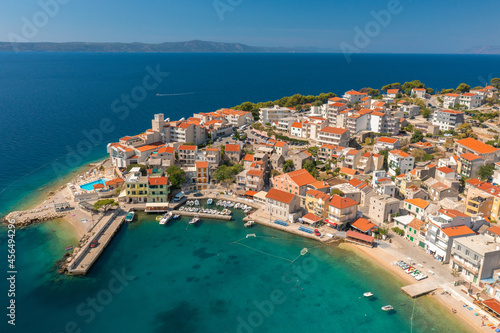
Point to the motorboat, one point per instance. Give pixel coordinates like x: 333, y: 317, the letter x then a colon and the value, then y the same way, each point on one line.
x: 196, y: 203
x: 387, y: 308
x: 195, y: 220
x: 249, y: 224
x: 176, y: 216
x: 165, y: 218
x: 368, y: 294
x: 210, y: 201
x: 130, y: 216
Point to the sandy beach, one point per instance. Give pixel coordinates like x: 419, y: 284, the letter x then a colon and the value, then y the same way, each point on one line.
x: 383, y: 259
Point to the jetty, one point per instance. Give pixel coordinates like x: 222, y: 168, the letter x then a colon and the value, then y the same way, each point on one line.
x: 202, y: 215
x: 420, y: 288
x: 101, y: 236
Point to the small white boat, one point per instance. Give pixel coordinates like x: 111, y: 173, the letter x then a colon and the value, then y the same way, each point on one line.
x: 196, y: 203
x: 194, y: 220
x: 387, y: 308
x: 176, y: 216
x: 249, y: 224
x: 368, y: 294
x: 210, y: 201
x: 130, y: 216
x: 165, y: 218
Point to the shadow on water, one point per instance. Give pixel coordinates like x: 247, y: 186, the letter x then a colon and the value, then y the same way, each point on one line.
x: 174, y: 320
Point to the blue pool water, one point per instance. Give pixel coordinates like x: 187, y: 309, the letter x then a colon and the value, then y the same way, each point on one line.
x: 90, y: 186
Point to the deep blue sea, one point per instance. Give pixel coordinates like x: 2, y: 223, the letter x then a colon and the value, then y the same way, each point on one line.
x: 59, y: 110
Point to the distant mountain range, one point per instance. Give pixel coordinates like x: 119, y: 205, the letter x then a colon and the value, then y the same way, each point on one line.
x: 189, y: 46
x: 482, y: 50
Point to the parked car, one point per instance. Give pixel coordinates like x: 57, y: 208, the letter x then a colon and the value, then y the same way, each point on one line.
x: 93, y: 243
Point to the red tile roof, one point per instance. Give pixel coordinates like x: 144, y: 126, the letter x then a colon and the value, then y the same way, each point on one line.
x: 421, y: 203
x: 477, y: 146
x: 232, y: 148
x: 301, y: 177
x: 387, y: 139
x: 280, y: 196
x: 248, y: 158
x: 251, y: 193
x: 461, y: 230
x: 201, y: 165
x: 348, y: 171
x: 157, y: 180
x: 312, y: 217
x: 470, y: 157
x: 445, y: 170
x: 452, y: 213
x: 363, y: 224
x: 169, y: 150
x: 360, y: 236
x: 256, y: 173
x: 340, y: 202
x: 334, y: 130
x: 186, y: 147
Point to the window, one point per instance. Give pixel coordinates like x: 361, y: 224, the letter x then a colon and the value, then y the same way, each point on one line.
x: 467, y: 252
x: 476, y: 257
x: 459, y: 248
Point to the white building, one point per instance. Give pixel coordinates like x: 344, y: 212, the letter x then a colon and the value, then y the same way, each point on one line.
x: 274, y: 114
x: 471, y: 100
x: 447, y: 119
x: 333, y: 136
x: 398, y: 159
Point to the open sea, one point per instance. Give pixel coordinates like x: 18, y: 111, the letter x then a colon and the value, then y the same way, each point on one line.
x: 59, y: 110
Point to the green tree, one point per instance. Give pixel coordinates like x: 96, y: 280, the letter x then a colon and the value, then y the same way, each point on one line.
x: 176, y: 175
x: 395, y: 85
x: 385, y: 153
x: 368, y: 141
x: 105, y: 204
x: 408, y: 86
x: 288, y: 166
x: 425, y: 112
x: 417, y: 136
x: 310, y: 167
x: 462, y: 87
x: 275, y: 173
x: 313, y: 150
x: 419, y: 154
x: 477, y: 88
x: 495, y: 82
x: 237, y: 135
x: 336, y: 191
x: 486, y: 171
x: 429, y: 91
x: 464, y: 127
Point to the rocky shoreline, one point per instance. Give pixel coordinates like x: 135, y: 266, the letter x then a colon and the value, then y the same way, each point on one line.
x: 27, y: 217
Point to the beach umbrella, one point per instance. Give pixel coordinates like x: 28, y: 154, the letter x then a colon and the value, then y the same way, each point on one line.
x: 497, y: 330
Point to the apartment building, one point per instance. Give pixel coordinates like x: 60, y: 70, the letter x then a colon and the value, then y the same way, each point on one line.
x: 333, y: 136
x: 187, y: 155
x: 447, y: 119
x: 353, y: 96
x: 381, y: 207
x: 317, y: 202
x: 281, y: 204
x: 294, y: 182
x: 398, y: 159
x: 468, y: 165
x: 469, y: 145
x: 471, y: 100
x: 451, y: 100
x: 342, y: 211
x: 274, y: 114
x: 202, y: 175
x: 386, y: 143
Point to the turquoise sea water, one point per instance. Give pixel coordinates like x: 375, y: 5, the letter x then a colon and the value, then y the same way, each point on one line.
x: 181, y: 278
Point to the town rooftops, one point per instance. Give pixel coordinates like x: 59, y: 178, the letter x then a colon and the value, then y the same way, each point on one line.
x: 169, y: 150
x: 201, y: 165
x: 187, y: 147
x: 392, y: 91
x: 248, y: 158
x: 416, y: 224
x: 255, y: 173
x: 280, y: 196
x: 348, y: 171
x: 334, y: 130
x: 157, y: 180
x: 419, y: 89
x: 363, y: 225
x: 461, y: 230
x: 280, y: 144
x: 318, y: 195
x: 451, y: 111
x: 340, y: 202
x: 495, y: 230
x: 400, y: 153
x: 452, y: 95
x: 386, y: 139
x: 477, y: 146
x: 470, y: 157
x: 354, y: 92
x: 232, y: 148
x: 445, y: 170
x: 469, y: 94
x: 421, y: 203
x: 297, y: 125
x: 301, y: 177
x: 452, y: 213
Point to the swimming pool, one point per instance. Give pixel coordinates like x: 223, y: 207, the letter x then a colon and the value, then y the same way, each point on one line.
x: 90, y: 186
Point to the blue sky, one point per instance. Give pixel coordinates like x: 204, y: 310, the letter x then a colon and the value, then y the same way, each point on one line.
x: 443, y: 26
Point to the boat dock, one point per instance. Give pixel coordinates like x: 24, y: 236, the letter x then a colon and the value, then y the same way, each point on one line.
x: 420, y: 288
x: 202, y: 215
x: 102, y: 233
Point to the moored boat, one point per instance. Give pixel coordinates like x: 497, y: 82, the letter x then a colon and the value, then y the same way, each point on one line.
x: 249, y: 224
x: 368, y: 294
x: 176, y: 216
x: 387, y: 308
x: 194, y: 220
x: 210, y: 201
x: 130, y: 216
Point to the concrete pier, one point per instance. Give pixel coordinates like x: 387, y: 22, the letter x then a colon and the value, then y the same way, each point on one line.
x: 420, y: 288
x: 103, y: 232
x: 202, y: 215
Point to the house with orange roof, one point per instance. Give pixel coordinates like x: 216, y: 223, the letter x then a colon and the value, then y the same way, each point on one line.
x: 468, y: 165
x: 235, y: 118
x: 386, y: 143
x: 400, y: 162
x: 409, y: 110
x: 281, y: 148
x: 447, y: 119
x: 438, y: 191
x: 282, y: 205
x: 451, y: 100
x: 473, y: 146
x: 294, y: 182
x: 333, y: 136
x: 158, y: 189
x: 471, y: 100
x: 439, y: 240
x: 296, y: 130
x: 120, y: 155
x: 385, y: 186
x: 420, y: 93
x: 317, y: 202
x: 369, y: 162
x: 284, y: 124
x: 381, y: 208
x: 341, y: 211
x: 392, y: 93
x: 363, y: 225
x: 353, y: 96
x: 232, y: 152
x: 477, y: 258
x: 415, y: 232
x: 416, y: 207
x: 425, y: 146
x: 381, y: 122
x: 251, y: 180
x: 347, y: 173
x: 327, y: 151
x: 491, y: 91
x: 358, y: 121
x: 187, y: 155
x: 247, y: 161
x: 213, y: 156
x: 202, y: 175
x: 351, y: 158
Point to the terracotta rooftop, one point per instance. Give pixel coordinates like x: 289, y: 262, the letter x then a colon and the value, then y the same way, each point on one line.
x: 280, y: 196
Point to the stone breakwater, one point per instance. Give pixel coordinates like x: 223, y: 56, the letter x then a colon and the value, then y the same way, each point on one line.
x: 27, y: 217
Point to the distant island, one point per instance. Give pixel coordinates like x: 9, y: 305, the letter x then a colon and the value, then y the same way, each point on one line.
x: 491, y: 49
x: 194, y: 46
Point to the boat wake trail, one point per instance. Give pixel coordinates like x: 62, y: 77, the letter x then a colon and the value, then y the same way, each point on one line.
x: 178, y: 94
